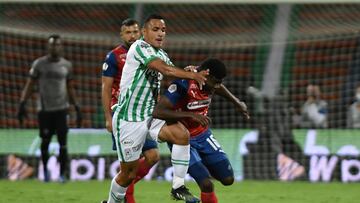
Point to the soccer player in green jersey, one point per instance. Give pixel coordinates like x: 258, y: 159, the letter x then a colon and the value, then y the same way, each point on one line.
x: 145, y: 65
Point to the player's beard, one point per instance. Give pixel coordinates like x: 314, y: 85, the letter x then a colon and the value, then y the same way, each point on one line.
x: 129, y: 43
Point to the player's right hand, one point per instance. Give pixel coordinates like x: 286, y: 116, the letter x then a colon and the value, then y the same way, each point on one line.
x: 21, y: 114
x: 79, y: 116
x: 203, y: 120
x: 108, y: 125
x: 200, y: 77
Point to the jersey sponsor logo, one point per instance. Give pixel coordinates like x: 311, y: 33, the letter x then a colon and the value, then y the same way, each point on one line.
x: 144, y: 45
x: 193, y: 93
x: 193, y: 86
x: 153, y: 75
x: 136, y: 148
x: 229, y: 167
x: 172, y: 88
x: 128, y: 153
x: 105, y: 66
x: 127, y: 142
x: 198, y: 104
x: 149, y: 51
x: 160, y: 76
x: 122, y: 57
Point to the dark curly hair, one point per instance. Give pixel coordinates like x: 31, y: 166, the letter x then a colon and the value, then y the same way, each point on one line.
x: 217, y: 68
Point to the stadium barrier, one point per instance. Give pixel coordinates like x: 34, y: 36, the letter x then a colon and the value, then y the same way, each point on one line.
x: 327, y: 155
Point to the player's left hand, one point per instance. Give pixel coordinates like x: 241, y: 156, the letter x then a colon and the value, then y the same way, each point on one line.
x: 78, y: 116
x: 21, y: 114
x: 191, y: 68
x: 200, y: 77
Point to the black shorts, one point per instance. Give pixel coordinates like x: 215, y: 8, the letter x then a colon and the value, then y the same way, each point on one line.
x: 51, y: 122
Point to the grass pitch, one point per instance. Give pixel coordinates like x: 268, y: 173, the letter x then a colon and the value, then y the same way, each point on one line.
x: 33, y: 191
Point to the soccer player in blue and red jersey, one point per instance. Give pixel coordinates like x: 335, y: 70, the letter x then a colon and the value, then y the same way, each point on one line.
x: 111, y: 76
x: 184, y: 101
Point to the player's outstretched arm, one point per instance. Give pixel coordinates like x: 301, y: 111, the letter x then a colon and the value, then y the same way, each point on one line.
x: 164, y: 110
x: 170, y: 71
x: 241, y: 106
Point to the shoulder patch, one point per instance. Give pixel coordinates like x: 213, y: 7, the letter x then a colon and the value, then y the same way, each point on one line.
x: 172, y: 88
x: 105, y: 66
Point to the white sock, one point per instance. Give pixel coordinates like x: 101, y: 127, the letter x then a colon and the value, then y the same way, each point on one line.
x: 117, y: 192
x: 180, y: 156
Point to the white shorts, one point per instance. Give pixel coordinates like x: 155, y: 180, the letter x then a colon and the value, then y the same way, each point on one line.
x: 130, y: 136
x: 155, y: 127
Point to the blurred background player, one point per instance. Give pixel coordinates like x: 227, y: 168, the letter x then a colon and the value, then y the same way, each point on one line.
x: 275, y: 129
x: 54, y: 75
x: 353, y: 116
x: 184, y: 101
x: 314, y: 112
x: 132, y: 121
x: 111, y: 75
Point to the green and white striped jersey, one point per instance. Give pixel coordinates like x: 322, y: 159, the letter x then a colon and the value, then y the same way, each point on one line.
x: 139, y: 85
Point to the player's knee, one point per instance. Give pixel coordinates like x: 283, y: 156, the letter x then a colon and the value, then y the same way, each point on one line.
x: 152, y: 157
x: 126, y: 177
x: 227, y: 181
x: 175, y: 134
x: 206, y: 185
x: 131, y: 176
x: 63, y: 149
x: 181, y: 135
x: 62, y: 132
x: 45, y: 144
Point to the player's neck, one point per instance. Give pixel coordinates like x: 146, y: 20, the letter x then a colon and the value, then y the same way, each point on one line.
x: 126, y: 46
x: 53, y: 58
x: 208, y: 90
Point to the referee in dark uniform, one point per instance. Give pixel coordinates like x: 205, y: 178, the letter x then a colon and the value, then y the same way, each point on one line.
x: 53, y: 75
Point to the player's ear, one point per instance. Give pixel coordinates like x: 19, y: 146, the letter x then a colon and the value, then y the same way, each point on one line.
x: 142, y: 30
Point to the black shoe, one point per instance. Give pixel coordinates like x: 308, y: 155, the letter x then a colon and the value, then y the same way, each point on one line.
x: 46, y: 176
x: 182, y: 193
x: 62, y: 179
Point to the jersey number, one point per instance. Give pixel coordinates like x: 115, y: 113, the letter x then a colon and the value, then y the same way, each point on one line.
x: 213, y: 143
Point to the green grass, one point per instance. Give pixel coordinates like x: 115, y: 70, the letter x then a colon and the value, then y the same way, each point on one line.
x: 32, y: 191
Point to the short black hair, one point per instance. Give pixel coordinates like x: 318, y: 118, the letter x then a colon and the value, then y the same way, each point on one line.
x: 129, y: 22
x: 217, y: 68
x: 151, y: 17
